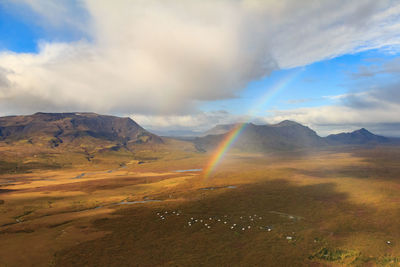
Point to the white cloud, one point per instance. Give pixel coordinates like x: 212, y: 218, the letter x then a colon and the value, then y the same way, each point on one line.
x: 340, y: 115
x: 198, y: 122
x: 160, y: 57
x: 375, y: 109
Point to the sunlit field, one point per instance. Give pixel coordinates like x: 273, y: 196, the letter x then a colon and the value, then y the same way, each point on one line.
x: 199, y: 133
x: 329, y: 207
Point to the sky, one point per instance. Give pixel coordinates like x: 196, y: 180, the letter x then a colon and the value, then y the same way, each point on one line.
x: 188, y: 65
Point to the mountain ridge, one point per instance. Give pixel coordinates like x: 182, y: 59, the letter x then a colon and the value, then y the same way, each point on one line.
x: 75, y: 128
x: 360, y: 136
x: 58, y: 128
x: 287, y: 135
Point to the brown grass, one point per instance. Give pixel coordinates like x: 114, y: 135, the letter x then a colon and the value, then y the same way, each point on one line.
x: 339, y: 207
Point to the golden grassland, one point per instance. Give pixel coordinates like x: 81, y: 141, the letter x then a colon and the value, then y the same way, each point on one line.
x: 322, y: 208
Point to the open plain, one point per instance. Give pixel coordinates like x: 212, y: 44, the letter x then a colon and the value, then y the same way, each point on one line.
x: 199, y: 133
x: 303, y: 208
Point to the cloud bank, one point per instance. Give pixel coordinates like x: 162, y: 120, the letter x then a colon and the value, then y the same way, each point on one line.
x: 377, y: 109
x: 155, y: 58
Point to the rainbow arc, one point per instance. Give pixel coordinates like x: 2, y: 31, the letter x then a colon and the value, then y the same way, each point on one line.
x: 233, y: 135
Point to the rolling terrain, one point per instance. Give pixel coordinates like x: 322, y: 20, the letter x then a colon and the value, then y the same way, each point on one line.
x: 59, y: 128
x: 107, y: 196
x: 359, y: 137
x: 285, y: 136
x: 64, y: 140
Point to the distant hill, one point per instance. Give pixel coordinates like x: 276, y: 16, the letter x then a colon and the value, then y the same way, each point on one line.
x: 219, y: 129
x: 190, y: 135
x: 94, y: 132
x: 55, y: 129
x: 80, y: 140
x: 176, y: 133
x: 284, y: 136
x: 359, y: 137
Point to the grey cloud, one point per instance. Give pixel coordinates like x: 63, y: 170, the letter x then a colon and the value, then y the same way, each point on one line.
x: 382, y: 96
x: 392, y: 66
x: 4, y: 82
x: 154, y: 57
x: 389, y: 93
x: 388, y: 67
x: 198, y: 122
x: 365, y: 102
x: 377, y: 110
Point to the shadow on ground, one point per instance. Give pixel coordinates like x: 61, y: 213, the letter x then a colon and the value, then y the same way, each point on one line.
x: 328, y: 221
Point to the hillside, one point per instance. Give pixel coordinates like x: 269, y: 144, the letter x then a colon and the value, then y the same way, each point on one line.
x: 55, y: 129
x: 64, y: 140
x: 61, y: 139
x: 219, y: 129
x: 359, y: 137
x: 284, y: 136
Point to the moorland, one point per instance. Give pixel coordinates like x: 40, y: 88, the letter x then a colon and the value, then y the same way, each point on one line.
x: 72, y: 194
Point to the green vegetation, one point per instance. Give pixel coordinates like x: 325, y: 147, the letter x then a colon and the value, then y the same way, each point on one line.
x: 337, y: 255
x: 322, y: 207
x: 23, y: 167
x: 388, y: 260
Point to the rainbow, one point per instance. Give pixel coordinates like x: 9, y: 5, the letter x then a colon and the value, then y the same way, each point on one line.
x: 223, y: 147
x: 232, y: 136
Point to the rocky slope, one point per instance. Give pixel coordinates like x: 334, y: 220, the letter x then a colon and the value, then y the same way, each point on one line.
x: 284, y: 136
x: 59, y: 128
x: 359, y: 137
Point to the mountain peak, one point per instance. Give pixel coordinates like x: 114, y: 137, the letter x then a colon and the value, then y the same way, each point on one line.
x: 285, y: 135
x: 67, y: 127
x: 219, y: 129
x: 287, y: 123
x: 363, y: 131
x: 358, y: 137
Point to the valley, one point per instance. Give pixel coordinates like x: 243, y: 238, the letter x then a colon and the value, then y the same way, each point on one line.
x: 199, y: 133
x: 322, y: 208
x: 99, y: 199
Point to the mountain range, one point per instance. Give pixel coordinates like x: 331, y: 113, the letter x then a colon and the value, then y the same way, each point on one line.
x: 286, y: 135
x: 55, y: 129
x: 74, y: 129
x: 359, y: 137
